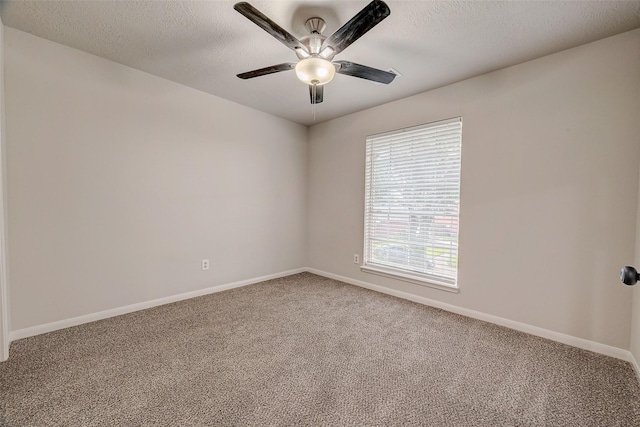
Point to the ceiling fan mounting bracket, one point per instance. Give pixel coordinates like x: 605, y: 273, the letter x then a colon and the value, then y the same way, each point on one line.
x: 315, y: 25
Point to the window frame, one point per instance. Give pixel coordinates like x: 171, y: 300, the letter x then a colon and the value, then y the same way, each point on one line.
x: 405, y: 274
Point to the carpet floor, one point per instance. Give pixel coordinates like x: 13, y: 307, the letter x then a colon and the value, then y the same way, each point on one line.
x: 307, y: 350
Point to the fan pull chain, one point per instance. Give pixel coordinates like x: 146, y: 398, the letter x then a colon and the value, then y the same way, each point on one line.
x: 314, y: 91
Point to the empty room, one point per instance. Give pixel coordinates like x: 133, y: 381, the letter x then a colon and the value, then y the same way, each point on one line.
x: 309, y: 212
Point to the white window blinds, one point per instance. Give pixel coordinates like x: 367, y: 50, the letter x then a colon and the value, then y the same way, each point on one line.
x: 412, y: 197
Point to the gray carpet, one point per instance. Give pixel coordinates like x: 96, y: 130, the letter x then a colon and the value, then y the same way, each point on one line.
x: 306, y: 350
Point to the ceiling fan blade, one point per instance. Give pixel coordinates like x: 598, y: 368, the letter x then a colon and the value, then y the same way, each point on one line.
x: 268, y: 70
x: 319, y: 93
x: 262, y: 21
x: 364, y: 20
x: 356, y: 70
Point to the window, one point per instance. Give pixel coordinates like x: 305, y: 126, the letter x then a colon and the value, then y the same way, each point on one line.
x: 412, y: 198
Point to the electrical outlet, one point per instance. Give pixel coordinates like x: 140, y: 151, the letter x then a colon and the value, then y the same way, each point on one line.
x: 205, y: 264
x: 356, y: 259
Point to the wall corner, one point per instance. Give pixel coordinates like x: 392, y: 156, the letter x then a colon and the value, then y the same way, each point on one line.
x: 4, y: 303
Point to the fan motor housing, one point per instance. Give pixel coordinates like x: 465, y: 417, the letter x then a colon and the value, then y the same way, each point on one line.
x: 313, y: 41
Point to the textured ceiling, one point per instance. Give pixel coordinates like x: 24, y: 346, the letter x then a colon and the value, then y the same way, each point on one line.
x: 204, y: 44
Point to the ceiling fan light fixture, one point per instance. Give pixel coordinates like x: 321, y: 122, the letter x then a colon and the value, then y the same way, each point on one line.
x: 315, y: 71
x: 316, y: 66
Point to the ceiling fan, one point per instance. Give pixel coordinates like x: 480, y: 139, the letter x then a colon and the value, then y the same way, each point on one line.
x: 315, y: 52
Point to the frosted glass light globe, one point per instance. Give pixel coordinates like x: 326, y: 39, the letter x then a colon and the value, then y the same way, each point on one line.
x: 316, y: 71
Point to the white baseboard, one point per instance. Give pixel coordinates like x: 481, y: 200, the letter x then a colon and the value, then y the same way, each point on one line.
x: 596, y: 347
x: 523, y: 327
x: 74, y: 321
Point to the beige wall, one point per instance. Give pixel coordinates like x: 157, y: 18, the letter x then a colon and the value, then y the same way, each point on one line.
x: 549, y: 183
x: 120, y: 182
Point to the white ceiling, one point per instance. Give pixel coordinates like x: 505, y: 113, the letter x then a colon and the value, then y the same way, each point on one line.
x: 204, y: 44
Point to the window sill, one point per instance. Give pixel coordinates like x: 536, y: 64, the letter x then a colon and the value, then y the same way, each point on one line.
x: 394, y: 274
